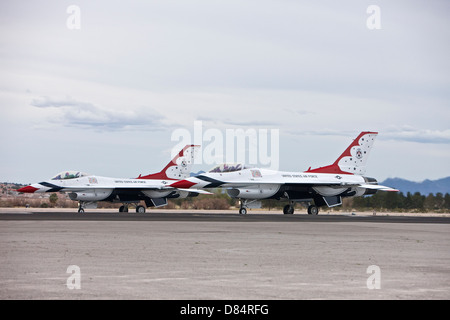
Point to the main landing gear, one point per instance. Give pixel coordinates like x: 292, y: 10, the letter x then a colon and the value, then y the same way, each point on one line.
x: 289, y: 209
x: 314, y: 210
x: 139, y: 208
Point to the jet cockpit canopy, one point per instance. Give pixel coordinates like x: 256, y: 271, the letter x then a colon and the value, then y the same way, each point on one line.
x: 228, y: 167
x: 65, y: 175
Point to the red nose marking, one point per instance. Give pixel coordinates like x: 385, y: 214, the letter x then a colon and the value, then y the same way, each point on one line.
x: 28, y: 189
x: 183, y: 184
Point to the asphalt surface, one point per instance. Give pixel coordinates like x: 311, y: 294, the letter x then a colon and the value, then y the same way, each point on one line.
x: 206, y: 256
x: 217, y: 217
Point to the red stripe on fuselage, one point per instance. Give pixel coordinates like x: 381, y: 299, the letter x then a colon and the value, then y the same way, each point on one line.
x: 28, y: 189
x: 183, y: 184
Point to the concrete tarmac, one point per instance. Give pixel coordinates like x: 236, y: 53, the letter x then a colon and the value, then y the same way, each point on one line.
x: 222, y: 256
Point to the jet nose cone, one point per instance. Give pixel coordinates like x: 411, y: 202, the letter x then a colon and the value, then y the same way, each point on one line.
x: 27, y: 189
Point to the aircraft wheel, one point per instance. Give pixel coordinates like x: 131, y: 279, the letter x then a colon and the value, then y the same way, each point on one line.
x: 242, y: 211
x: 288, y: 209
x: 314, y: 210
x: 140, y: 209
x: 80, y: 210
x: 123, y: 209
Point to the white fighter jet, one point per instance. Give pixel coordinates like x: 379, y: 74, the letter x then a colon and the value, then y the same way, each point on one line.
x: 152, y: 189
x: 324, y: 186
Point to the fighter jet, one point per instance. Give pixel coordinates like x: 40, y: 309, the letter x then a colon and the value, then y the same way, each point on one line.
x: 153, y: 189
x: 324, y: 186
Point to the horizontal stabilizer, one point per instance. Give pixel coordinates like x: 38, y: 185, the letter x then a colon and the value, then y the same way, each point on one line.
x: 378, y: 187
x: 196, y: 191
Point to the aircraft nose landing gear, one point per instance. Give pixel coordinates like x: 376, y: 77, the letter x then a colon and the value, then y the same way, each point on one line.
x: 245, y: 204
x: 82, y: 205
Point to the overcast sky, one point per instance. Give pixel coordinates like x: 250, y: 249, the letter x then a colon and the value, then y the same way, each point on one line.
x: 106, y: 98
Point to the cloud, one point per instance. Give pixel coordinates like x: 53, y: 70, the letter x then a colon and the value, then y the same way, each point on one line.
x: 88, y: 115
x: 418, y: 135
x: 250, y: 123
x: 397, y: 134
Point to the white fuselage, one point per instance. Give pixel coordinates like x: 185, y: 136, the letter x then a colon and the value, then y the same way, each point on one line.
x: 257, y: 183
x: 267, y: 176
x: 97, y: 188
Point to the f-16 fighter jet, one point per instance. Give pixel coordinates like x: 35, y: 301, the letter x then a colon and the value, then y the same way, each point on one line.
x: 153, y: 189
x: 325, y: 186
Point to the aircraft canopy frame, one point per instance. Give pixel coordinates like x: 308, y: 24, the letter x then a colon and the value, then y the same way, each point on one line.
x: 69, y: 174
x: 228, y: 167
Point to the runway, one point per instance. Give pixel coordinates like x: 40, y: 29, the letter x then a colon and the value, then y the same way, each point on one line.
x: 193, y: 255
x: 227, y: 216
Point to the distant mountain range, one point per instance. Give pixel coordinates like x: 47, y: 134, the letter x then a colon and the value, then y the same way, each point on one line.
x: 425, y: 187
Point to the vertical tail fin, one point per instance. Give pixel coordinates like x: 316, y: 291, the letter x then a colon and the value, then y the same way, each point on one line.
x: 179, y: 167
x: 353, y: 160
